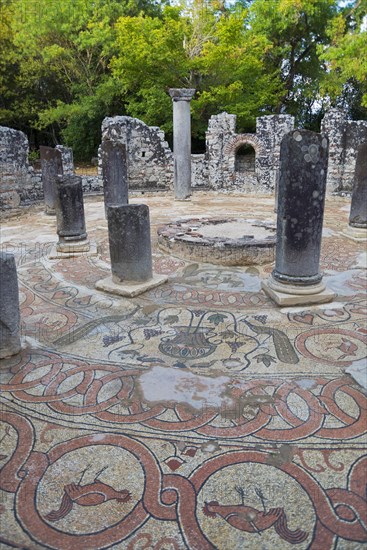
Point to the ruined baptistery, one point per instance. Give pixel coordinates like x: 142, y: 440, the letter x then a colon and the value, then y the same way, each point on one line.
x: 221, y: 241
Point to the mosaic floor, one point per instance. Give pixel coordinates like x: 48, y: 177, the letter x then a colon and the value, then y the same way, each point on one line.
x: 198, y: 415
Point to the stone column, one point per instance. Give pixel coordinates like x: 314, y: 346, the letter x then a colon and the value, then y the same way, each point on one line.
x: 9, y: 307
x: 181, y: 98
x: 70, y: 215
x: 114, y: 173
x: 129, y: 238
x: 357, y: 229
x: 51, y: 166
x: 67, y: 158
x: 296, y: 278
x: 130, y: 251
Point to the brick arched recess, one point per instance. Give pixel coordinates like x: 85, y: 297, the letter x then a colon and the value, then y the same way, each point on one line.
x: 236, y: 142
x: 233, y: 144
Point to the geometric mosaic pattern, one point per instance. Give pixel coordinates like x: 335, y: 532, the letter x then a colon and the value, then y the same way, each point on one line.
x: 198, y: 415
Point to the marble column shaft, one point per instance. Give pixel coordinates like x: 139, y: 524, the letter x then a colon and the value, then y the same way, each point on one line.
x: 9, y: 307
x: 301, y: 197
x: 114, y: 173
x: 129, y: 238
x: 70, y: 209
x: 358, y: 209
x: 181, y: 98
x: 51, y: 166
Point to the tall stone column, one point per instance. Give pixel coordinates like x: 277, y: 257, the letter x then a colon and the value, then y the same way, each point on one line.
x: 70, y: 215
x: 297, y: 279
x: 51, y: 166
x: 181, y: 98
x: 114, y: 173
x: 357, y: 229
x: 9, y: 307
x: 130, y: 251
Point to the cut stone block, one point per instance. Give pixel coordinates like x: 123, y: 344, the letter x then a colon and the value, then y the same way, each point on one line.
x: 132, y: 288
x: 358, y: 234
x: 290, y: 295
x: 73, y: 252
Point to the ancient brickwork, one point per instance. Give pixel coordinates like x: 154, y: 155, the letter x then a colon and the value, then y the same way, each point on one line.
x: 149, y: 158
x: 344, y: 138
x: 223, y: 144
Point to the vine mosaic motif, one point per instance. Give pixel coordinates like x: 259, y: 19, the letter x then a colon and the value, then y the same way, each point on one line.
x: 254, y: 435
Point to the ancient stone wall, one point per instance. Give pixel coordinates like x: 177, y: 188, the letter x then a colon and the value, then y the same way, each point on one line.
x: 149, y: 158
x: 199, y: 172
x: 14, y: 167
x: 270, y: 131
x: 20, y: 183
x: 151, y: 164
x: 344, y: 137
x: 223, y: 144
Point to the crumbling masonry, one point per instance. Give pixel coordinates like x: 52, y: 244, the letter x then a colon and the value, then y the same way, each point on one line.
x: 246, y: 163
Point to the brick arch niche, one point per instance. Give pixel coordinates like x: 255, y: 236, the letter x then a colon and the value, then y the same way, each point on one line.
x: 243, y: 152
x: 245, y: 157
x: 244, y: 139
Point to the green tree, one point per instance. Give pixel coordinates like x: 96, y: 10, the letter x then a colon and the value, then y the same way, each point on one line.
x: 206, y: 45
x: 234, y: 74
x: 296, y: 29
x: 63, y: 81
x: 345, y: 81
x: 66, y: 65
x: 150, y: 58
x: 7, y: 59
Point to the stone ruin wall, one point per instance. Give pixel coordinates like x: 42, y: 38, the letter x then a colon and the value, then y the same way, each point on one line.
x: 150, y: 160
x: 222, y: 144
x: 15, y: 172
x: 20, y: 183
x: 149, y: 157
x: 344, y: 138
x: 151, y: 165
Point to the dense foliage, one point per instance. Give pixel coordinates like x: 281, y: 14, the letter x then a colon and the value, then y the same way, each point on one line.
x: 65, y: 65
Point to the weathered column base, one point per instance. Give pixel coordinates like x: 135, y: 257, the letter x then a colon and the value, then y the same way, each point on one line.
x: 130, y: 288
x: 186, y: 199
x: 358, y: 234
x: 73, y: 249
x: 296, y: 295
x: 12, y: 347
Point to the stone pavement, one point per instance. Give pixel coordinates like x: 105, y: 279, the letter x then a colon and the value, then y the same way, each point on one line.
x: 198, y: 415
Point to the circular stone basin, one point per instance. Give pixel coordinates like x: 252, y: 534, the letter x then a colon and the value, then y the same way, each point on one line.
x: 223, y: 241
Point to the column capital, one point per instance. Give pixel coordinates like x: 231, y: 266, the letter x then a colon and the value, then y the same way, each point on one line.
x: 181, y: 94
